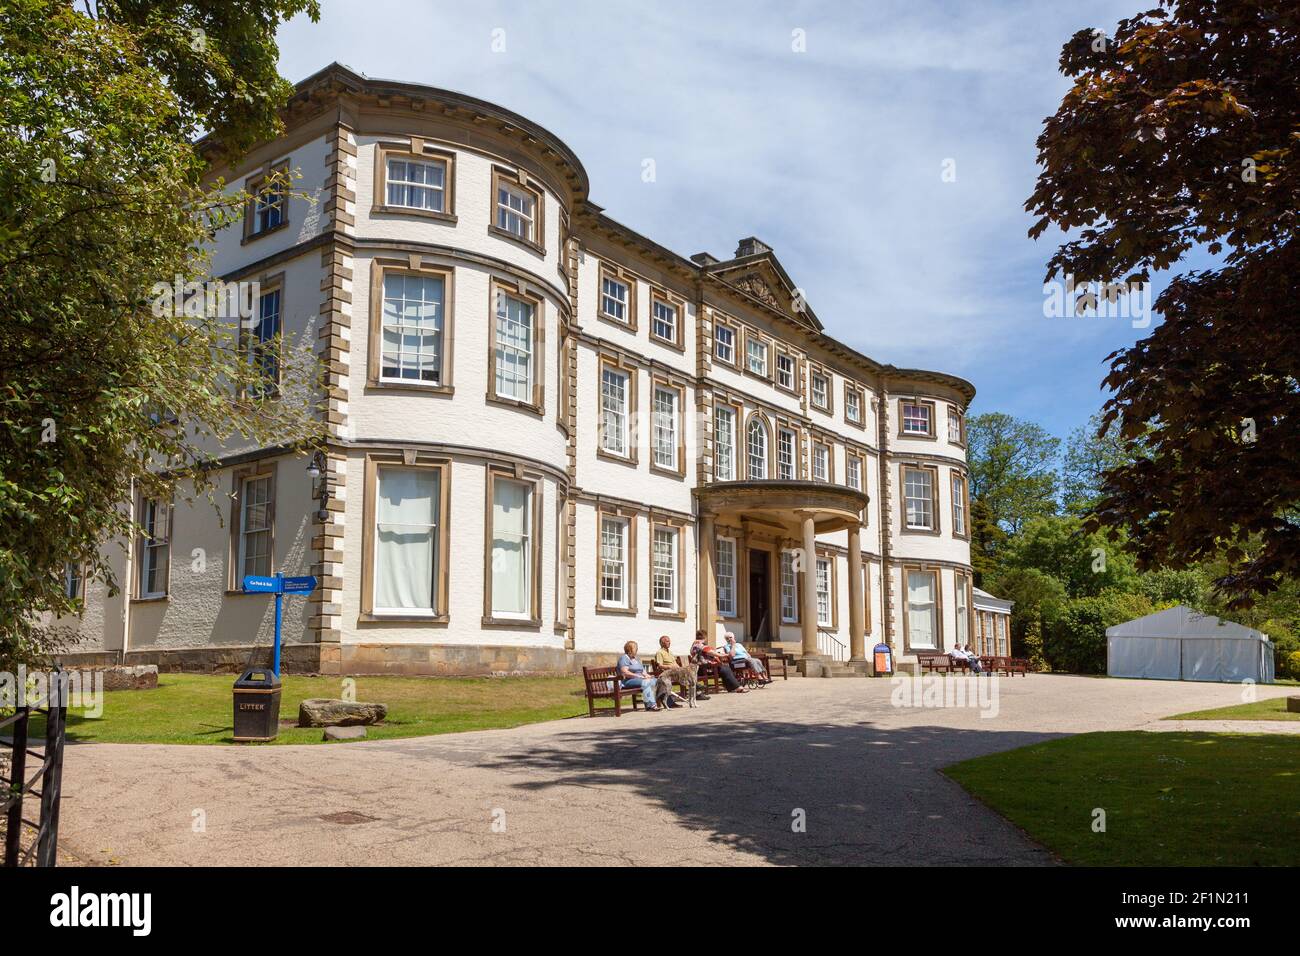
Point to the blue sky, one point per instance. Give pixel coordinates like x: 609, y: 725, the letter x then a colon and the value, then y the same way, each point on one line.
x: 833, y: 155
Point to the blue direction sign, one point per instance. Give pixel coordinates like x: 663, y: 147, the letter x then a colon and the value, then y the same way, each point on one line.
x: 279, y: 585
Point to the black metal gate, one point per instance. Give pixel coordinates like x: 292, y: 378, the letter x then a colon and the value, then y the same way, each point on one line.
x: 37, y: 838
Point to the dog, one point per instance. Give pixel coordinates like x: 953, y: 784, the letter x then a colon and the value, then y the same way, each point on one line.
x: 686, y: 676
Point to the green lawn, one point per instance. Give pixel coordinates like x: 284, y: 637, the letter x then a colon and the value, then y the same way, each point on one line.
x: 1171, y: 799
x: 198, y: 708
x: 1274, y: 709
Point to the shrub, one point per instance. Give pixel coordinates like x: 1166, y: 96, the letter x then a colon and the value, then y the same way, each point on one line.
x: 1075, y: 641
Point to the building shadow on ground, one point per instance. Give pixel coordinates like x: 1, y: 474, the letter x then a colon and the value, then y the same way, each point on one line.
x: 863, y: 794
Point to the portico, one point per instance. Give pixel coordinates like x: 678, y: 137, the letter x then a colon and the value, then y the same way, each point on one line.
x: 796, y: 512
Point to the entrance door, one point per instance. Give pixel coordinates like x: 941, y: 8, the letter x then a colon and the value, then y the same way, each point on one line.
x: 760, y: 624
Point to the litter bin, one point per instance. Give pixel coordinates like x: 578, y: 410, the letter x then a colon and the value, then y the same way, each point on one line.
x: 257, y: 705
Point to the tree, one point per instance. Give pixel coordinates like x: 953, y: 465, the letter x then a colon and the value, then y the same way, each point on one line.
x: 104, y: 387
x: 1083, y: 562
x: 1090, y: 452
x: 1179, y: 132
x: 1012, y: 468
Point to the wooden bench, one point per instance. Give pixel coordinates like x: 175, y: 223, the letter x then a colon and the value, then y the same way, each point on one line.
x: 1016, y: 665
x: 604, y: 682
x: 935, y: 662
x: 769, y: 661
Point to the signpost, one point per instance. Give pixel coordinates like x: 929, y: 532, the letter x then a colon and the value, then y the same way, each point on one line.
x: 279, y: 585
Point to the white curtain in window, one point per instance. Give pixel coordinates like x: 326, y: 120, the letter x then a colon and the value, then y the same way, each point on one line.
x: 510, y: 548
x: 406, y: 519
x: 921, y: 606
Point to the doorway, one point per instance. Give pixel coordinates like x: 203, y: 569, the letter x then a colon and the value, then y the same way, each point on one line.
x: 759, y: 625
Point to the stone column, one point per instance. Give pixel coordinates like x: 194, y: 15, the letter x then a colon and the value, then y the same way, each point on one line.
x: 809, y: 611
x: 857, y: 635
x: 708, y: 580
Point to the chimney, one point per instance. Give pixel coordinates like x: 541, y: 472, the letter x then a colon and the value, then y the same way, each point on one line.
x: 751, y: 247
x: 704, y: 259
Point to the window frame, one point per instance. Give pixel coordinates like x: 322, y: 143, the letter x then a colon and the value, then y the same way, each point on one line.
x: 760, y: 419
x: 536, y: 490
x: 734, y: 330
x: 797, y: 578
x: 628, y: 520
x: 832, y: 585
x: 408, y: 459
x: 624, y: 278
x: 678, y: 305
x: 815, y: 371
x: 520, y: 180
x: 826, y: 446
x: 855, y: 391
x: 145, y: 542
x: 736, y: 427
x: 250, y: 345
x: 416, y: 266
x: 630, y: 374
x: 752, y: 337
x: 734, y: 579
x: 415, y: 149
x: 781, y: 431
x: 537, y: 402
x: 933, y: 472
x: 235, y: 552
x: 253, y: 187
x: 963, y: 594
x: 853, y: 458
x: 956, y: 475
x: 908, y: 570
x: 678, y: 468
x: 660, y: 523
x: 781, y: 353
x: 925, y: 403
x: 957, y: 415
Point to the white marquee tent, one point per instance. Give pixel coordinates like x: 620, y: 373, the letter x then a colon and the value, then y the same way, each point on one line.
x: 1182, y: 644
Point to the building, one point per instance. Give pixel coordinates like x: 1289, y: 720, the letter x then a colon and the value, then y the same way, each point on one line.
x: 549, y: 434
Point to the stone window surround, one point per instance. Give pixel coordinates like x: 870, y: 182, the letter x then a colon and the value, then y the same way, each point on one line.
x: 516, y: 473
x: 517, y: 290
x: 253, y: 186
x: 519, y: 179
x: 405, y: 458
x: 658, y: 522
x: 418, y: 149
x: 417, y: 265
x: 266, y: 468
x: 629, y: 516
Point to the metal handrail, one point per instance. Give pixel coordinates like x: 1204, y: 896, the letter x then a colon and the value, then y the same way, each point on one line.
x: 835, y: 648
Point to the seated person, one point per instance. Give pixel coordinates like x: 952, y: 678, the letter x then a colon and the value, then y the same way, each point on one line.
x: 701, y: 653
x: 664, y: 657
x: 975, y: 663
x: 962, y: 656
x: 739, y: 658
x: 632, y: 673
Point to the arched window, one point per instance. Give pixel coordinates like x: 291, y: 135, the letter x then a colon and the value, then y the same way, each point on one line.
x: 757, y: 449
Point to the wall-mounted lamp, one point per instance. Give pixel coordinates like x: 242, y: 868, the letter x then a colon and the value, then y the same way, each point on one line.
x: 318, y: 469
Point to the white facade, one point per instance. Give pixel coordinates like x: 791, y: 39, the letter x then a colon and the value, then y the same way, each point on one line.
x: 526, y: 379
